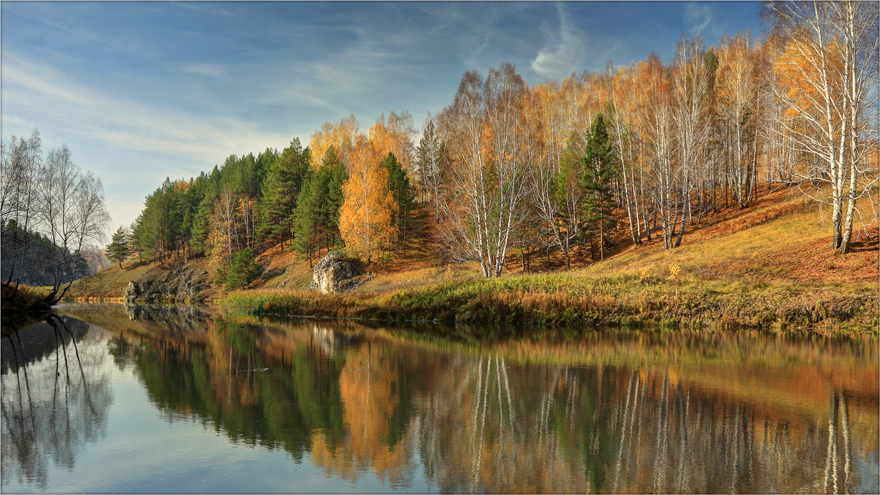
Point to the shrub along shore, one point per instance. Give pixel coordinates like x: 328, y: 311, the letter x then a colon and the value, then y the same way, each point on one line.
x: 563, y: 300
x: 23, y: 306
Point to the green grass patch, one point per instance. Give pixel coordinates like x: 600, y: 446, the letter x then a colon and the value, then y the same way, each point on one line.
x: 571, y: 300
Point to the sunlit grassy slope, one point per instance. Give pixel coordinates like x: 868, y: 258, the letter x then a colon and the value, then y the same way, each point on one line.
x: 109, y: 283
x: 766, y: 265
x: 781, y: 241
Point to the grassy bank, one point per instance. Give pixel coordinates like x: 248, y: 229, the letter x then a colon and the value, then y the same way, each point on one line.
x: 768, y: 266
x: 576, y: 300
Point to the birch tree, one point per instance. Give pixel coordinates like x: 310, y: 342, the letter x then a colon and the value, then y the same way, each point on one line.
x: 431, y: 160
x: 658, y: 129
x: 827, y: 73
x: 20, y: 171
x: 557, y: 192
x: 365, y: 219
x: 737, y: 101
x: 690, y: 96
x: 486, y: 130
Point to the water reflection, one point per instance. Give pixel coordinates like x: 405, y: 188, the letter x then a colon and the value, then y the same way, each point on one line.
x: 597, y: 413
x: 55, y: 398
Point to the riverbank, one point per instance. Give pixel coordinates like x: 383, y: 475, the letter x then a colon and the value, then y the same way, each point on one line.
x: 22, y: 307
x: 766, y: 266
x: 570, y: 300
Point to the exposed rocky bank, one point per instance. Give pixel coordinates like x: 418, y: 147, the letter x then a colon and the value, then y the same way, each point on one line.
x: 183, y: 284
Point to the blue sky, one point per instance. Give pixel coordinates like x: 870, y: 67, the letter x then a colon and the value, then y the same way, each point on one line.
x: 144, y: 91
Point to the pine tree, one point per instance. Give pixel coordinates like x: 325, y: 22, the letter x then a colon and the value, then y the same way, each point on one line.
x: 117, y: 251
x: 282, y: 187
x: 316, y: 217
x: 599, y: 170
x: 404, y: 196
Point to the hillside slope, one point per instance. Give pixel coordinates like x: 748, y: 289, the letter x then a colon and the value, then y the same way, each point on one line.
x: 779, y: 248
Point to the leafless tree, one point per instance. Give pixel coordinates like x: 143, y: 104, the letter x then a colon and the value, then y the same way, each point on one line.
x: 21, y: 164
x: 690, y: 89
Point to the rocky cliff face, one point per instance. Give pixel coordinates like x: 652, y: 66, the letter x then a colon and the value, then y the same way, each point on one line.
x: 335, y: 274
x: 184, y: 284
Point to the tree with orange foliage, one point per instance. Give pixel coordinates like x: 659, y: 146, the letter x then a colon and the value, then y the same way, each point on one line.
x: 365, y: 219
x: 343, y: 135
x: 395, y: 135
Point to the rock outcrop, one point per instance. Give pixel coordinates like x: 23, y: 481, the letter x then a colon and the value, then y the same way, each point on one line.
x: 181, y: 285
x: 335, y: 274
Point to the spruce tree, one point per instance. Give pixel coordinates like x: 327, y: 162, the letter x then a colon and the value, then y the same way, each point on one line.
x: 599, y: 170
x: 315, y: 219
x: 306, y: 216
x: 332, y: 181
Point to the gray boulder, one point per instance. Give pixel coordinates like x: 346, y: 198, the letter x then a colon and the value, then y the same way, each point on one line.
x: 334, y: 274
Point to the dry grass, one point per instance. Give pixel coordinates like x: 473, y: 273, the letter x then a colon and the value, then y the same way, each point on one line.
x: 781, y: 240
x: 769, y: 265
x: 282, y: 269
x: 109, y: 283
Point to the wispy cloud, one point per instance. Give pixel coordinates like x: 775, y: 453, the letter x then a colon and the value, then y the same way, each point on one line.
x: 203, y: 8
x: 150, y: 126
x: 141, y: 91
x: 698, y: 17
x: 564, y: 51
x: 209, y: 70
x: 132, y: 145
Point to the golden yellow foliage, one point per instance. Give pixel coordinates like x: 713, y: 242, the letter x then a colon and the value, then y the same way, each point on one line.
x: 394, y: 136
x: 343, y: 134
x: 799, y: 70
x: 368, y: 205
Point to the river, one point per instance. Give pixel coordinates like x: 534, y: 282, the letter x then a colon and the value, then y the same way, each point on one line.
x: 108, y: 398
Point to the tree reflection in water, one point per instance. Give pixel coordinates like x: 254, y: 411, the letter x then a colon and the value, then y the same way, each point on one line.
x: 609, y: 413
x: 55, y: 398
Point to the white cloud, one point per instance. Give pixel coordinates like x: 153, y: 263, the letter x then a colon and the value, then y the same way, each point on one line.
x: 132, y: 145
x: 698, y: 17
x: 564, y: 52
x: 13, y: 125
x: 125, y: 122
x: 209, y: 70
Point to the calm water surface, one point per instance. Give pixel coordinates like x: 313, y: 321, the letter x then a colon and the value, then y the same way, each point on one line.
x: 139, y: 399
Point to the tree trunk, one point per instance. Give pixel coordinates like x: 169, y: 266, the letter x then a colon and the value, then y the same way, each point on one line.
x: 681, y: 228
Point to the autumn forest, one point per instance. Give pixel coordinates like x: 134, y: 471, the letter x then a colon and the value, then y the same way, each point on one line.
x: 655, y: 276
x: 556, y: 165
